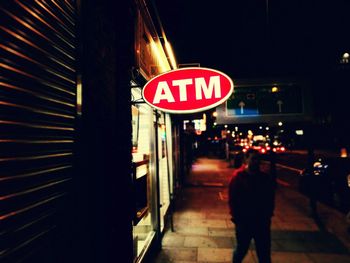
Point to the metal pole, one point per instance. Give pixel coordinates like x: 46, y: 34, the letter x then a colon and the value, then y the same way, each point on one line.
x: 169, y: 185
x: 267, y: 12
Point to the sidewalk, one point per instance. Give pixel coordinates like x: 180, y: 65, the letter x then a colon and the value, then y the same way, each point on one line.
x: 204, y: 233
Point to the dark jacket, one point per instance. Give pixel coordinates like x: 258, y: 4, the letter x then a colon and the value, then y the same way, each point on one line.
x: 251, y: 197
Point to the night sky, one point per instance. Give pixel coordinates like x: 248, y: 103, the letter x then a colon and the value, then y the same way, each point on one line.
x: 295, y: 37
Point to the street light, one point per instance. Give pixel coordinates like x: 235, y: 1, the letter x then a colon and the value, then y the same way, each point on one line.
x: 274, y: 89
x: 345, y: 58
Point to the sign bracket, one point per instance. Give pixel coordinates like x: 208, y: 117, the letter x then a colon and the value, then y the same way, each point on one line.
x: 135, y: 99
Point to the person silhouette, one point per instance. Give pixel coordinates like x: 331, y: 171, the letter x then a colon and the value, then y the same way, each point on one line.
x: 251, y: 202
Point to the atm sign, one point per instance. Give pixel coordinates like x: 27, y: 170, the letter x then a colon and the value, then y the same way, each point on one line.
x: 188, y: 90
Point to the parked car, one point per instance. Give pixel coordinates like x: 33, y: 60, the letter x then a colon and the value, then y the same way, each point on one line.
x: 328, y: 181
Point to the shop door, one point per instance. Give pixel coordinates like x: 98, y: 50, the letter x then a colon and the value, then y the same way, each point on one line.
x: 38, y: 110
x: 164, y: 166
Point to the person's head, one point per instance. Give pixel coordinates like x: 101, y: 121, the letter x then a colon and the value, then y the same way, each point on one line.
x: 252, y: 160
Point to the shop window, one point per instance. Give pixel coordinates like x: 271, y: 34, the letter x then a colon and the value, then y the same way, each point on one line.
x: 143, y: 230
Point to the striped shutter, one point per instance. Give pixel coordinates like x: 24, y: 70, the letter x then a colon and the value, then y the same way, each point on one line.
x: 37, y: 122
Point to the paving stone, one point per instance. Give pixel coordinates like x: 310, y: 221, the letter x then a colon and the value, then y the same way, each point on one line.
x: 307, y: 241
x: 173, y: 240
x: 209, y: 242
x: 289, y: 257
x: 190, y: 214
x: 214, y: 254
x: 207, y: 223
x: 218, y: 215
x: 328, y: 258
x: 229, y: 224
x: 171, y: 255
x: 185, y: 230
x: 222, y: 232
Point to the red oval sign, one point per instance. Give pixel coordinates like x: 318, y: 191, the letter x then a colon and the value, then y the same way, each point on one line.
x: 188, y: 90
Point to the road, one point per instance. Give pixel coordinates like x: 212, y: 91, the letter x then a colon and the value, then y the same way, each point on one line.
x: 290, y: 164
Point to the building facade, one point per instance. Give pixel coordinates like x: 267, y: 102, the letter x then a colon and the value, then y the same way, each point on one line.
x: 86, y: 169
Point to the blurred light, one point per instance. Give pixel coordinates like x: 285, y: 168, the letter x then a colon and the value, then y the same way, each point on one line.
x: 79, y: 95
x: 215, y: 114
x: 185, y: 124
x: 280, y: 123
x: 199, y: 124
x: 228, y: 131
x: 317, y: 165
x: 299, y: 132
x: 260, y: 127
x: 215, y: 123
x: 345, y: 58
x: 159, y: 52
x: 343, y: 153
x: 236, y: 128
x: 274, y: 89
x: 162, y: 132
x: 349, y: 180
x: 267, y: 128
x: 170, y: 52
x: 225, y: 126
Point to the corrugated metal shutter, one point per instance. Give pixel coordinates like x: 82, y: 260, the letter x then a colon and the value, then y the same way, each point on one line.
x: 37, y: 121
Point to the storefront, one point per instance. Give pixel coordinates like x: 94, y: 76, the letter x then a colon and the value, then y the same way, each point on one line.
x: 152, y: 158
x: 68, y: 183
